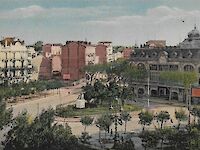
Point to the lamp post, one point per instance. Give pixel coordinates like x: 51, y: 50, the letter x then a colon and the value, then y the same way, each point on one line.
x: 189, y: 103
x: 148, y: 91
x: 117, y: 120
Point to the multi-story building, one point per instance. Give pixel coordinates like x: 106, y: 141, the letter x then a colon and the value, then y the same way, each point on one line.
x: 108, y: 50
x: 51, y: 61
x: 65, y: 62
x: 15, y: 61
x: 184, y: 57
x: 90, y: 54
x: 73, y: 60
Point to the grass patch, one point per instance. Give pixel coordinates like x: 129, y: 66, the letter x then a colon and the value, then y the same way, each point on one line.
x: 71, y: 111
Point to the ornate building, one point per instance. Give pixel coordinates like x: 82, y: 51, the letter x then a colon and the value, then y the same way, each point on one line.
x: 15, y: 61
x: 184, y: 57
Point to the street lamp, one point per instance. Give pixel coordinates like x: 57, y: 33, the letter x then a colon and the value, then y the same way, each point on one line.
x: 189, y: 103
x: 116, y: 119
x: 148, y: 92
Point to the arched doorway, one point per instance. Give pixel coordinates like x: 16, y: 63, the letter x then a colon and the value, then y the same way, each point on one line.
x: 188, y: 68
x: 140, y: 92
x: 154, y: 93
x: 174, y: 96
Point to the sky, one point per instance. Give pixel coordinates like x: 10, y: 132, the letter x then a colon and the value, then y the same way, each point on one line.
x: 124, y: 22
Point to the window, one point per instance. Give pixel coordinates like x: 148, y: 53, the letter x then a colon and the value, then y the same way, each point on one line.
x: 141, y: 66
x: 188, y: 68
x: 173, y: 67
x: 153, y: 67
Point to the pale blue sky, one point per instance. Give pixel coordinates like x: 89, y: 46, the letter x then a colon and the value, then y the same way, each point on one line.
x: 121, y: 21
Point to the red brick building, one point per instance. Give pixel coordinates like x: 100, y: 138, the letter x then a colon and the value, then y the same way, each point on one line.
x: 63, y: 61
x: 101, y: 53
x: 73, y: 60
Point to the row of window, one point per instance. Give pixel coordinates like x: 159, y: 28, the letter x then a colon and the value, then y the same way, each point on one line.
x: 155, y: 67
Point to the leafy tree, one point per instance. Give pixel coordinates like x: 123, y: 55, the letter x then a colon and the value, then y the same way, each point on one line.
x: 196, y: 113
x: 126, y: 145
x: 104, y: 123
x: 125, y: 116
x: 175, y: 139
x: 5, y: 114
x: 150, y: 139
x: 89, y: 92
x: 146, y: 118
x: 180, y: 115
x: 162, y: 117
x: 127, y: 93
x: 38, y: 46
x: 40, y: 133
x: 85, y: 137
x: 93, y: 70
x: 185, y: 78
x: 86, y: 121
x: 100, y: 91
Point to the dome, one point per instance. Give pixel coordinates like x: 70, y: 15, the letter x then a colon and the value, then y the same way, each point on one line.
x: 194, y: 33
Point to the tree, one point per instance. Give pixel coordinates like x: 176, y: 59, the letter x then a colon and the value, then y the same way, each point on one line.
x: 180, y: 115
x: 40, y: 133
x: 100, y: 91
x: 38, y: 46
x: 162, y: 117
x: 104, y: 123
x: 127, y: 93
x: 86, y: 121
x: 125, y: 116
x: 126, y: 145
x: 5, y: 114
x: 196, y: 113
x: 89, y: 92
x: 146, y: 118
x: 150, y: 139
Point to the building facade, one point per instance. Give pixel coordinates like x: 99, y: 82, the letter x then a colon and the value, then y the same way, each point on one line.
x: 108, y: 50
x: 65, y: 62
x: 90, y: 54
x: 184, y: 57
x: 73, y: 60
x: 15, y: 61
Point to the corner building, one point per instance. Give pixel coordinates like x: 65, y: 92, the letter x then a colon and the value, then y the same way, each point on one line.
x: 184, y: 57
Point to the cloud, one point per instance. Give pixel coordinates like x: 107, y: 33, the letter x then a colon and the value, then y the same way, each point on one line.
x: 64, y: 12
x: 161, y: 22
x: 25, y: 12
x: 117, y: 24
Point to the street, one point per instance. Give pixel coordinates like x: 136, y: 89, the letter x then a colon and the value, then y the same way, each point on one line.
x: 61, y: 96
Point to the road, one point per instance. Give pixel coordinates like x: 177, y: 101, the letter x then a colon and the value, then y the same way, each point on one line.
x: 34, y: 107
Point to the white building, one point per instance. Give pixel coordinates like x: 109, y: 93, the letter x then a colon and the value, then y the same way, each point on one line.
x: 118, y: 55
x: 15, y: 61
x: 90, y: 55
